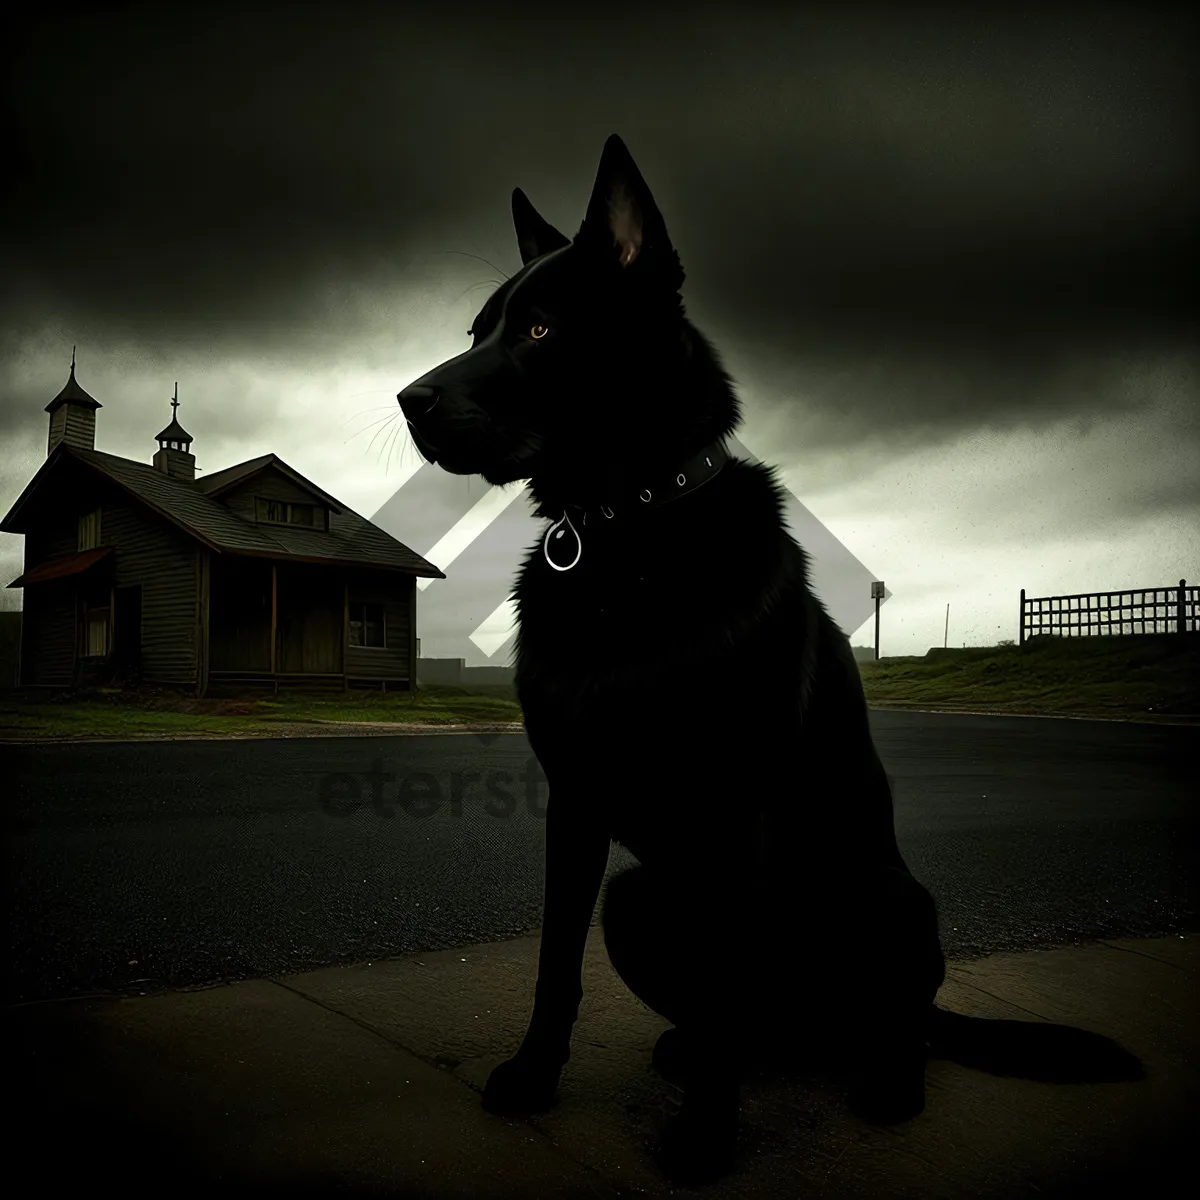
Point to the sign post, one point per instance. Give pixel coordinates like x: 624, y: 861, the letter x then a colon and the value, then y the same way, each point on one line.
x: 877, y: 595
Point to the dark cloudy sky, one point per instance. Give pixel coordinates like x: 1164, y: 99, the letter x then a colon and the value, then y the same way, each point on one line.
x: 947, y: 252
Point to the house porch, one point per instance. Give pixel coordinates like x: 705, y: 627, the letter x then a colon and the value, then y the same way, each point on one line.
x: 308, y: 625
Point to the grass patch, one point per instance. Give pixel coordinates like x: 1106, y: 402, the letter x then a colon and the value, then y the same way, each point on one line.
x: 1131, y: 677
x: 1136, y: 676
x: 141, y: 712
x: 429, y: 706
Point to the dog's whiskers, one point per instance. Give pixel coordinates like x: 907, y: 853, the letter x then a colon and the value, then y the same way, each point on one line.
x: 371, y: 425
x: 481, y: 283
x: 391, y: 445
x: 382, y: 429
x: 385, y: 451
x: 366, y: 411
x: 477, y: 257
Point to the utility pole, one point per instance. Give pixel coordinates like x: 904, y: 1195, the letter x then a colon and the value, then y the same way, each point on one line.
x: 877, y: 595
x: 946, y: 634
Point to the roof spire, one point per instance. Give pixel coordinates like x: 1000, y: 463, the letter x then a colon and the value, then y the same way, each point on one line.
x: 72, y: 393
x: 175, y: 432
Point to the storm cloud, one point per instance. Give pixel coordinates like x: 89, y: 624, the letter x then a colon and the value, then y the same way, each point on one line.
x: 907, y: 228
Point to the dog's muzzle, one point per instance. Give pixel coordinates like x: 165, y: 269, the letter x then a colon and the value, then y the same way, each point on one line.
x: 416, y: 401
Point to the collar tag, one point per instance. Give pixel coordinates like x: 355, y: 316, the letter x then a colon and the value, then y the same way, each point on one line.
x: 562, y: 544
x: 564, y: 540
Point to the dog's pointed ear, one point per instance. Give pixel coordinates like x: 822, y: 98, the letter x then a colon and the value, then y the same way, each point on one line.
x: 535, y: 237
x: 623, y: 218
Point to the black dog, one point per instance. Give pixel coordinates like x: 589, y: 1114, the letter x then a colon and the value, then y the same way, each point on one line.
x: 685, y: 692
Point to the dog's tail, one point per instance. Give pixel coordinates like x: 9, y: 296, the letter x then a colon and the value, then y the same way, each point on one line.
x: 1036, y: 1050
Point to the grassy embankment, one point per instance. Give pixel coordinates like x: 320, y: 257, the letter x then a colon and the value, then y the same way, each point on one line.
x: 1149, y: 677
x: 120, y: 714
x: 1139, y: 678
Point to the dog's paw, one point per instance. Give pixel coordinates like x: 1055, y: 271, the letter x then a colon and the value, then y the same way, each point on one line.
x: 672, y: 1055
x: 700, y: 1144
x: 523, y: 1084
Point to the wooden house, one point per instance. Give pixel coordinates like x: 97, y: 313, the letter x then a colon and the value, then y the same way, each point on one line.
x: 250, y: 575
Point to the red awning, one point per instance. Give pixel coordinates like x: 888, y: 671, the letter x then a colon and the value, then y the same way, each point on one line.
x: 61, y: 568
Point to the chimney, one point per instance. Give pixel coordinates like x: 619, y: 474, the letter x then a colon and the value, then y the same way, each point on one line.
x: 174, y: 455
x: 72, y: 415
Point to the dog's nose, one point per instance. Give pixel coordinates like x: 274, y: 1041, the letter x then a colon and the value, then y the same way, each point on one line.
x: 418, y: 398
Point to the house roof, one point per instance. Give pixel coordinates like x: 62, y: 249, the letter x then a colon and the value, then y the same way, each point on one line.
x: 73, y: 393
x: 174, y: 433
x: 222, y: 481
x: 62, y: 567
x: 354, y: 540
x: 218, y: 481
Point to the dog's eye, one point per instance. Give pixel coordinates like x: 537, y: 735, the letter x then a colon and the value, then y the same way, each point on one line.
x: 538, y: 331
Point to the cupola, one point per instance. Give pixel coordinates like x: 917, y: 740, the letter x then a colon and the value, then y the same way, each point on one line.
x: 174, y: 455
x: 72, y: 415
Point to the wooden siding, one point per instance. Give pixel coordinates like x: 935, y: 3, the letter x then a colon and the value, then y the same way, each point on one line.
x: 74, y: 425
x: 58, y: 426
x: 393, y: 661
x: 153, y: 553
x: 150, y: 552
x: 240, y: 614
x: 271, y: 485
x: 204, y: 559
x: 310, y: 628
x: 412, y: 633
x: 59, y: 535
x: 309, y: 618
x: 50, y: 616
x: 48, y: 634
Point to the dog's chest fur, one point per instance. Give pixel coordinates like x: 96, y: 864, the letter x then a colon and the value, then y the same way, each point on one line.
x: 674, y: 659
x: 682, y: 589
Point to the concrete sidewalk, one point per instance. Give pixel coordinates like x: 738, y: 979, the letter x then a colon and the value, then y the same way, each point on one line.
x: 365, y: 1081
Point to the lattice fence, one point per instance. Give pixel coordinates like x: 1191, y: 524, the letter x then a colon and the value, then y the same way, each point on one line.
x: 1140, y: 610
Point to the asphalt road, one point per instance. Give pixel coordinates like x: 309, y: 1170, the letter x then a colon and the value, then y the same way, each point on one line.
x: 137, y: 866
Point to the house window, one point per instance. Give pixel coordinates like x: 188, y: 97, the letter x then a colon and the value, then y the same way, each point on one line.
x: 366, y: 625
x: 285, y: 512
x: 89, y: 530
x: 96, y: 633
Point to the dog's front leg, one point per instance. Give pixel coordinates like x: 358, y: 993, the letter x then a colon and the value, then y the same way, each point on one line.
x: 576, y: 858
